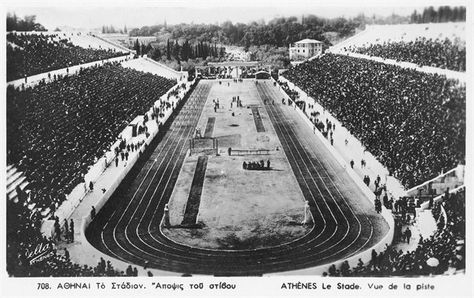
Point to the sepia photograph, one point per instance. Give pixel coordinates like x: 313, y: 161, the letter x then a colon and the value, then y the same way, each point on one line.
x: 160, y: 143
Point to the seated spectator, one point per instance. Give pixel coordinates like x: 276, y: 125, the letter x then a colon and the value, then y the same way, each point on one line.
x: 31, y: 54
x: 56, y: 131
x: 422, y: 51
x: 447, y: 245
x: 24, y: 237
x: 414, y: 123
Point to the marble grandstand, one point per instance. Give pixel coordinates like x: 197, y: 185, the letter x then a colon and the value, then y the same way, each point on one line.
x: 377, y: 34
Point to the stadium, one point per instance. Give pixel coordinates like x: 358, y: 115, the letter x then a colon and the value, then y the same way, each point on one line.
x: 125, y: 160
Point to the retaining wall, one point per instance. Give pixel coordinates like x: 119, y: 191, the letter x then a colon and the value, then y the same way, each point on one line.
x: 358, y: 151
x: 366, y: 255
x: 75, y: 198
x: 101, y: 202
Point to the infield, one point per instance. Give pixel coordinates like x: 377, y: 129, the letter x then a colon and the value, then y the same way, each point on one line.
x: 239, y: 208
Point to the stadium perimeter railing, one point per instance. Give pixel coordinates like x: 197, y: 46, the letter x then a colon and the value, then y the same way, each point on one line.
x: 365, y: 256
x: 394, y: 187
x: 80, y: 191
x: 86, y: 220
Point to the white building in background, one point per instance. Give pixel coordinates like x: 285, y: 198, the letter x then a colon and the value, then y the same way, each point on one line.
x: 306, y: 48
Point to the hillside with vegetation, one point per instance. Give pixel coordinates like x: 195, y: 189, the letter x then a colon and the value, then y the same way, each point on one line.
x: 177, y: 45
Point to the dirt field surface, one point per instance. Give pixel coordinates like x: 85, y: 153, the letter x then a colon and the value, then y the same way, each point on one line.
x: 240, y: 209
x: 247, y: 222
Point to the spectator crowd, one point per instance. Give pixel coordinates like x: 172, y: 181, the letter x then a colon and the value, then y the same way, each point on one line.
x: 31, y: 254
x: 441, y: 253
x: 31, y: 54
x: 414, y: 123
x: 57, y: 131
x: 422, y: 51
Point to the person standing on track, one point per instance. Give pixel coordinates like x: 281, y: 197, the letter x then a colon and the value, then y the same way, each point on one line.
x: 307, y: 214
x: 66, y: 230
x: 92, y: 212
x: 57, y: 229
x: 166, y: 219
x: 408, y: 235
x: 71, y: 230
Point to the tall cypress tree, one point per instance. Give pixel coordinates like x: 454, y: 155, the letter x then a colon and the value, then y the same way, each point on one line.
x: 185, y: 51
x: 168, y: 50
x: 176, y: 50
x: 136, y: 47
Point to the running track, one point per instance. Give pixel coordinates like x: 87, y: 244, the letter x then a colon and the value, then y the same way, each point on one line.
x: 127, y: 228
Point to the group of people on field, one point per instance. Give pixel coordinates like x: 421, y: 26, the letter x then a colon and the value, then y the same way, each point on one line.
x: 256, y: 165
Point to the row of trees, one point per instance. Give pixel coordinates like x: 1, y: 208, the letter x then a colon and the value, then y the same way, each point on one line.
x: 441, y: 15
x: 180, y: 52
x: 278, y: 32
x: 283, y: 31
x: 28, y: 23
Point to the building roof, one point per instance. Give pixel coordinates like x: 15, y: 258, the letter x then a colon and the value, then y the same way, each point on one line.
x: 309, y: 41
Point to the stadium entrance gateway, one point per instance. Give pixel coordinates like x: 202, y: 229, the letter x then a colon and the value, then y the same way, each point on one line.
x: 234, y: 69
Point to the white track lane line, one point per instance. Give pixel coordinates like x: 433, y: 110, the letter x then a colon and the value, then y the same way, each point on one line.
x: 340, y: 194
x: 179, y: 255
x: 216, y: 250
x: 131, y: 200
x: 287, y: 139
x: 169, y: 160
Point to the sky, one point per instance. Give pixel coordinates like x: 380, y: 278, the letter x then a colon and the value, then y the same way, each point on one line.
x: 90, y: 14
